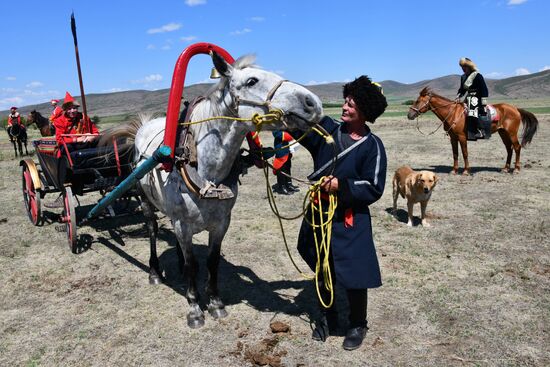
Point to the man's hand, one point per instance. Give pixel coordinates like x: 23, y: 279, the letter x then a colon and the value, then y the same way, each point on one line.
x: 330, y: 184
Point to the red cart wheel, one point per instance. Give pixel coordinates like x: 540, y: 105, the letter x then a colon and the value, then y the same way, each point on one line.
x: 69, y: 217
x: 31, y: 196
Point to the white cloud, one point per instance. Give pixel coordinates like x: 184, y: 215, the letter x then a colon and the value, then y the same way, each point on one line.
x: 11, y: 78
x: 170, y: 27
x: 257, y: 19
x: 6, y: 103
x: 34, y: 85
x: 113, y: 90
x: 153, y: 78
x: 516, y: 2
x: 547, y: 67
x: 188, y: 38
x: 166, y: 48
x: 522, y: 71
x: 151, y: 47
x: 241, y: 32
x: 195, y: 2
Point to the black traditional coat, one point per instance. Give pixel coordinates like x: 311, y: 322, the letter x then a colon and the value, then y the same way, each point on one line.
x: 475, y: 88
x: 361, y: 173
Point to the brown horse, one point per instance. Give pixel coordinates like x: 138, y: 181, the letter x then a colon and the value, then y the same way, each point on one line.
x: 453, y: 117
x: 46, y: 128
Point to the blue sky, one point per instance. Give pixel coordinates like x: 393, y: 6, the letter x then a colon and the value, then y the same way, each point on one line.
x: 128, y: 45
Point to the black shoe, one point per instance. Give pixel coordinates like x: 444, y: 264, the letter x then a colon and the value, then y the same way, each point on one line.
x: 281, y: 190
x: 57, y: 204
x: 291, y: 187
x: 472, y: 136
x: 479, y: 134
x: 325, y: 326
x: 354, y: 337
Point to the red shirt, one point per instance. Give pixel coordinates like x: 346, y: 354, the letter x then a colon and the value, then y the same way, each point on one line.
x: 56, y: 113
x: 63, y: 125
x: 16, y: 117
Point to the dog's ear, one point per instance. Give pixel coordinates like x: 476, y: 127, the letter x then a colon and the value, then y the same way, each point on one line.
x: 436, y: 178
x: 417, y: 177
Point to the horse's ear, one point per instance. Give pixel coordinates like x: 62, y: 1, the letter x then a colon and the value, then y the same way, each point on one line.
x: 221, y: 65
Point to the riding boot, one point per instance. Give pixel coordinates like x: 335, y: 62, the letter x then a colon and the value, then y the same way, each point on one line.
x: 357, y: 330
x: 327, y: 323
x: 471, y: 126
x: 484, y: 125
x: 281, y: 184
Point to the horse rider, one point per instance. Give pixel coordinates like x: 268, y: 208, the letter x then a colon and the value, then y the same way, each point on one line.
x: 14, y: 118
x: 56, y: 110
x: 473, y: 86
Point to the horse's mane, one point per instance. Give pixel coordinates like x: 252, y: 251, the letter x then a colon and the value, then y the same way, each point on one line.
x: 211, y: 107
x: 428, y: 90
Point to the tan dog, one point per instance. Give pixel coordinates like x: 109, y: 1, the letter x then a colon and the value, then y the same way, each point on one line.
x: 416, y: 187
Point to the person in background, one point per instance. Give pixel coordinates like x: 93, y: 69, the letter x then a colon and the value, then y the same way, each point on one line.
x: 282, y: 163
x: 353, y: 169
x: 56, y: 110
x: 472, y: 85
x: 14, y: 118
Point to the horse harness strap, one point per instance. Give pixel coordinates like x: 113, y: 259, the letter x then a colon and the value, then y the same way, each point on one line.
x: 186, y: 161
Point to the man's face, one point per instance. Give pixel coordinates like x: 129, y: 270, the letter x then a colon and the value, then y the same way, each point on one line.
x: 350, y: 112
x: 72, y: 111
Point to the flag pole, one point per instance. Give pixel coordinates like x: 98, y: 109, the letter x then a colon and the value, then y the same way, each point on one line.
x: 82, y: 95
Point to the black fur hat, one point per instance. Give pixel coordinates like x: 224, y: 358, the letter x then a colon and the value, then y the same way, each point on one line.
x: 368, y: 97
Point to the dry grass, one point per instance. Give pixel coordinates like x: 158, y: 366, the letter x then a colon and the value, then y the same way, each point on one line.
x: 473, y: 289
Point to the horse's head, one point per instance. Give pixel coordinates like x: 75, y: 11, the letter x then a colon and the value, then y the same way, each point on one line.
x: 31, y: 117
x: 248, y: 90
x: 421, y: 105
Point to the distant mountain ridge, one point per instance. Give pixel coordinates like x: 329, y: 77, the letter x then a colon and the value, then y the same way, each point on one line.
x: 536, y: 85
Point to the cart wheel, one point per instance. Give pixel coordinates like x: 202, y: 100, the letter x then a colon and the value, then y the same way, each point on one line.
x: 31, y: 197
x: 69, y: 217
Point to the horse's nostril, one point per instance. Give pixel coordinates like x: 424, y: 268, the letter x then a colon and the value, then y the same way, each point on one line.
x: 309, y: 103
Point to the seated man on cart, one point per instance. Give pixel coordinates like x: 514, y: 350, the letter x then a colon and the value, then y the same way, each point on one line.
x: 72, y: 132
x: 72, y: 122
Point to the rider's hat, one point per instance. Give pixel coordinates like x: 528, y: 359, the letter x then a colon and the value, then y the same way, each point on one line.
x: 467, y: 62
x: 13, y: 108
x: 54, y: 101
x: 69, y: 101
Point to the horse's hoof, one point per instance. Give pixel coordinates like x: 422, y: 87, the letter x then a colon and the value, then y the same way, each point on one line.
x: 516, y: 171
x: 504, y: 170
x: 465, y: 173
x: 217, y: 313
x: 155, y: 279
x: 454, y: 173
x: 194, y: 321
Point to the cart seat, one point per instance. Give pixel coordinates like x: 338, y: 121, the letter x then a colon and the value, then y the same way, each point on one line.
x: 99, y: 157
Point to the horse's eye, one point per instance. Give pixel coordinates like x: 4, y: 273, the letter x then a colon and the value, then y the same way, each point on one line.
x: 250, y: 82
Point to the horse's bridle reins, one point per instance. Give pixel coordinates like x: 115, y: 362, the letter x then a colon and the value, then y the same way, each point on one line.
x: 429, y: 107
x: 237, y: 101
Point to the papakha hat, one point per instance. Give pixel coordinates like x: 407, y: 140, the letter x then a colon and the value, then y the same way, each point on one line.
x: 69, y: 101
x: 467, y: 62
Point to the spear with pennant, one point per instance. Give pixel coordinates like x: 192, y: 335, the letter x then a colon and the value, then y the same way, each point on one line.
x: 84, y: 110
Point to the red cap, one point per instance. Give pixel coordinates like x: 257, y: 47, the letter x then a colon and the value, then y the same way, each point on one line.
x: 69, y: 101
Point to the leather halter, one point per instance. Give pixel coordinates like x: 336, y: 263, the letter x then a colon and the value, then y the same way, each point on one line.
x: 427, y: 104
x: 237, y: 101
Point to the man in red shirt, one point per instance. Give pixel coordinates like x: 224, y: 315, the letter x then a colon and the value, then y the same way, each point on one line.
x: 56, y: 111
x: 14, y: 118
x: 72, y: 122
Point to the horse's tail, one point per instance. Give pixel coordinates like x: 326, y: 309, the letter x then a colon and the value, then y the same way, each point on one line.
x: 124, y: 134
x: 530, y: 125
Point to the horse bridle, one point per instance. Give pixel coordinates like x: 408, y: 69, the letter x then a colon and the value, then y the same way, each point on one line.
x: 430, y: 107
x: 237, y: 101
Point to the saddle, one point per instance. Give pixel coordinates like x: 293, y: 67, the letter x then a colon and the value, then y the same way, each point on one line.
x: 187, y: 163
